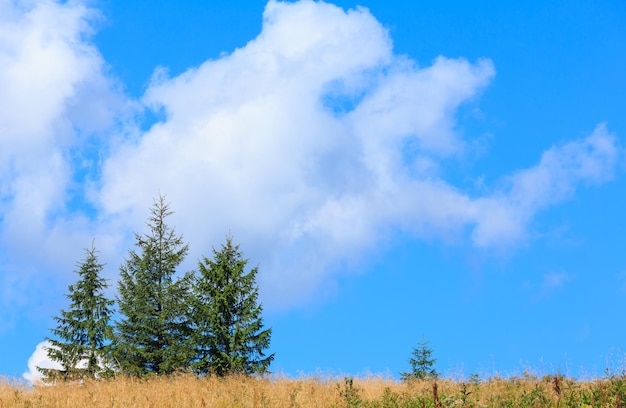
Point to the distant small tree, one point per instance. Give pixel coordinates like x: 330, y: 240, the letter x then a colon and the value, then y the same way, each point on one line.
x: 229, y: 337
x: 422, y: 363
x: 83, y: 333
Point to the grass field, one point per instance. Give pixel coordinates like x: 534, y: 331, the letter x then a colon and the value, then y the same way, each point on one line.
x: 188, y: 391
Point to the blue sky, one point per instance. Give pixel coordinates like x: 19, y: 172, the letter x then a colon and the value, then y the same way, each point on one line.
x: 443, y: 170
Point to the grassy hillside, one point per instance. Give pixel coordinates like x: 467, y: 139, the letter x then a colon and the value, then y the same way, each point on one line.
x: 188, y: 391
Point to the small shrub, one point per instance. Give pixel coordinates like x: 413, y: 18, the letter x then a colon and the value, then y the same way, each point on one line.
x: 348, y: 393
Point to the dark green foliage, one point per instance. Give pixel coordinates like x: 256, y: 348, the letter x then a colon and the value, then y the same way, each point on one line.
x: 422, y: 364
x: 229, y: 337
x: 152, y: 334
x: 535, y: 398
x: 83, y: 331
x: 349, y: 393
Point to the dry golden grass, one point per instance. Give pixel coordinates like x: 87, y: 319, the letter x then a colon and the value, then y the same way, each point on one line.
x: 182, y: 391
x: 189, y: 391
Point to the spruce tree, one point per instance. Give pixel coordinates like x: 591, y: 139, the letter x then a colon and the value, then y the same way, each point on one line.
x: 152, y: 334
x: 422, y: 363
x: 83, y: 333
x: 229, y: 336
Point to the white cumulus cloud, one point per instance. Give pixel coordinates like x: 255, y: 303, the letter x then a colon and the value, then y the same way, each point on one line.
x: 311, y: 144
x: 39, y: 358
x: 57, y: 104
x: 504, y: 216
x: 294, y: 144
x: 314, y: 141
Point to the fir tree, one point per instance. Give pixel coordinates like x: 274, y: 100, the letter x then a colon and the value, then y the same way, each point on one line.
x: 229, y: 335
x: 83, y: 332
x: 422, y: 364
x: 152, y: 334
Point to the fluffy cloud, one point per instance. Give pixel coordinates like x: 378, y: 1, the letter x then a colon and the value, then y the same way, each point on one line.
x: 314, y: 141
x: 296, y: 144
x: 504, y: 216
x: 311, y: 144
x: 39, y: 358
x: 56, y: 104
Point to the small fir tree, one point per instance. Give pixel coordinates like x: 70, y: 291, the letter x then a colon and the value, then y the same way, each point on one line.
x: 152, y: 334
x: 229, y: 336
x: 83, y: 332
x: 422, y: 363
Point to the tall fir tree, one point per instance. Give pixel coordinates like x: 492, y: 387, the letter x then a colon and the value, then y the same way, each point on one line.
x: 422, y: 363
x: 152, y: 334
x: 83, y: 334
x: 229, y: 336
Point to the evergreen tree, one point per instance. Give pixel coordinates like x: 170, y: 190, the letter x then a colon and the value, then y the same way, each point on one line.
x: 83, y: 332
x: 152, y: 334
x: 422, y: 364
x: 229, y: 335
